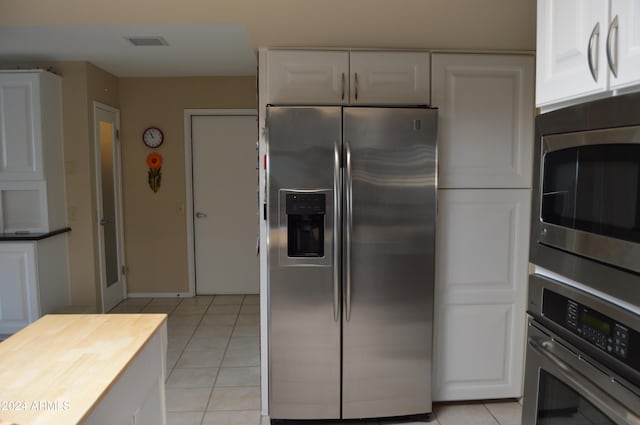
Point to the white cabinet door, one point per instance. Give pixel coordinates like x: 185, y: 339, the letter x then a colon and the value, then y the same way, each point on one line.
x: 307, y: 77
x: 18, y: 287
x: 568, y: 30
x: 387, y: 78
x: 481, y: 280
x: 625, y: 50
x: 20, y: 127
x: 485, y: 120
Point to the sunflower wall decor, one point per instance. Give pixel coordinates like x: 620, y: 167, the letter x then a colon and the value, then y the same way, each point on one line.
x: 154, y: 161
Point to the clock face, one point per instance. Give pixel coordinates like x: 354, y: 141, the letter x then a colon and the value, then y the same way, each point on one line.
x: 152, y: 137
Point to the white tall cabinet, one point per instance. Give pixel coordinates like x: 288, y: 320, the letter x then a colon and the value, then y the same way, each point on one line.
x: 34, y: 276
x: 485, y: 146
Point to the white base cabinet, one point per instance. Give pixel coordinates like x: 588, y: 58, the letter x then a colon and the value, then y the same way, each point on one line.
x: 481, y: 280
x: 34, y: 281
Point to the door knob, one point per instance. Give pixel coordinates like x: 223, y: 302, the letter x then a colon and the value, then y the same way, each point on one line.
x: 201, y: 215
x: 103, y: 221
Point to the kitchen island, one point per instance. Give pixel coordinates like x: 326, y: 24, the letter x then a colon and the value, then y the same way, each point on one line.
x: 85, y: 369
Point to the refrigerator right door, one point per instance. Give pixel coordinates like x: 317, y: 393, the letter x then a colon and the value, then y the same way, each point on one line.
x: 388, y: 266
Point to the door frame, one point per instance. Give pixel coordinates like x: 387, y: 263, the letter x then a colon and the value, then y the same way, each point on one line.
x: 188, y: 168
x: 117, y: 199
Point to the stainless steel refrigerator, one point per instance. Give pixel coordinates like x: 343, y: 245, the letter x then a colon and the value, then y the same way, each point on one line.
x: 351, y: 215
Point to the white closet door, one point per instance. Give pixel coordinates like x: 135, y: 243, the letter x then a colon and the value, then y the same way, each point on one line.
x: 225, y: 204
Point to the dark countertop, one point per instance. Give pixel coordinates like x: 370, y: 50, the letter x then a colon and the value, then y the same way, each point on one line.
x: 29, y: 236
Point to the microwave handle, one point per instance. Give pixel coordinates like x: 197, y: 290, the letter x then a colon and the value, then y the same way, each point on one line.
x: 595, y: 395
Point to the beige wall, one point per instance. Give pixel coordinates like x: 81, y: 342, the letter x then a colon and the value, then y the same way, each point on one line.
x: 446, y: 24
x: 82, y: 84
x: 155, y: 229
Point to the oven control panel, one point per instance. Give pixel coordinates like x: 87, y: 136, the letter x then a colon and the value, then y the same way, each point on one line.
x: 599, y: 330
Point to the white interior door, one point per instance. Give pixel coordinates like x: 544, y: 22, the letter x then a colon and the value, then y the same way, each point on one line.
x: 109, y: 199
x: 225, y: 203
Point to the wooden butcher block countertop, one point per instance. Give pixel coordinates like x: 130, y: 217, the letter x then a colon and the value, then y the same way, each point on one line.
x: 56, y: 370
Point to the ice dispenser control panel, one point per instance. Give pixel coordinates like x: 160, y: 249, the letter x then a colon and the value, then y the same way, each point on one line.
x: 305, y: 224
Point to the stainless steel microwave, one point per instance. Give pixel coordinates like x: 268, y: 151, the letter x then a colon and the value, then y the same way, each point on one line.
x: 586, y: 195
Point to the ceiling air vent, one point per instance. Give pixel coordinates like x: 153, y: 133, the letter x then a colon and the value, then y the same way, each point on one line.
x: 147, y: 41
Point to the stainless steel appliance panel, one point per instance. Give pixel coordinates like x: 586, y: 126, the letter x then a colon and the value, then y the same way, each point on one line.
x: 304, y: 322
x: 614, y: 251
x: 562, y: 386
x: 567, y: 256
x: 389, y: 233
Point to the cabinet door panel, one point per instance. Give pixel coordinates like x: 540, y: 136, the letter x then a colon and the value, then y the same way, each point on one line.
x: 18, y: 292
x: 481, y: 279
x: 485, y: 120
x: 627, y: 55
x: 307, y: 77
x: 387, y: 78
x: 20, y: 131
x: 564, y: 30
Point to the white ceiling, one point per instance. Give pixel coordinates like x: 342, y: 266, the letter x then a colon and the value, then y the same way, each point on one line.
x: 193, y: 49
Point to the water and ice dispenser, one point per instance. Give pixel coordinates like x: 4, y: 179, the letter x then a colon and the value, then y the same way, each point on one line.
x: 305, y: 224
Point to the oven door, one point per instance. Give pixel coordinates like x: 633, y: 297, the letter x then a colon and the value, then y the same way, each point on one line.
x: 562, y: 387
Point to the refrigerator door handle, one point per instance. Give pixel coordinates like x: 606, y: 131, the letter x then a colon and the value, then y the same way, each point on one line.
x: 337, y: 219
x: 348, y: 229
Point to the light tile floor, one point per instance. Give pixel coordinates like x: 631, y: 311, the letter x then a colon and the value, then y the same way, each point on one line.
x: 213, y: 365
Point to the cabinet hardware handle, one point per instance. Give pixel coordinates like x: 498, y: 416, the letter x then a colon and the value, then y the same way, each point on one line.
x: 201, y: 215
x: 337, y: 221
x: 595, y: 36
x: 355, y: 80
x: 343, y: 86
x: 349, y: 229
x: 612, y: 55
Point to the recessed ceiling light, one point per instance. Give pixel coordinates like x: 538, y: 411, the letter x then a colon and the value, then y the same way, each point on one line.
x: 154, y: 40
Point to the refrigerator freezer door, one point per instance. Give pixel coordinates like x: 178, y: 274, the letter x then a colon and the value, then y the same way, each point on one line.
x: 389, y: 216
x: 304, y: 323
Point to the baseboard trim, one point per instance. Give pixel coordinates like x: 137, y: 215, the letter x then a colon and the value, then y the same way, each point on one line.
x: 159, y: 295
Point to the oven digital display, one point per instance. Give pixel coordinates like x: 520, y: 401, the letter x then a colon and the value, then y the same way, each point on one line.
x: 600, y: 331
x: 596, y: 323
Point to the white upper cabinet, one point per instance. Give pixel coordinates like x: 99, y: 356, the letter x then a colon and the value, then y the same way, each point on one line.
x: 624, y: 43
x: 571, y: 49
x: 586, y: 49
x: 316, y: 77
x: 20, y: 127
x: 308, y: 77
x: 32, y: 186
x: 485, y: 119
x: 383, y: 78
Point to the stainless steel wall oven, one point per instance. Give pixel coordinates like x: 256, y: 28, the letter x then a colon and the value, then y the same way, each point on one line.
x: 583, y: 359
x: 586, y: 197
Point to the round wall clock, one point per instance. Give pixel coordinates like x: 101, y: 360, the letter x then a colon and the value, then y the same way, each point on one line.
x: 152, y: 137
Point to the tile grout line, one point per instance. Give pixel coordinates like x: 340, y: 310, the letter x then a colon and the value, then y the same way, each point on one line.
x: 491, y: 413
x: 224, y: 354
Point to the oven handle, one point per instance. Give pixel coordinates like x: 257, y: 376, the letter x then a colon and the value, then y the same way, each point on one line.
x: 603, y: 401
